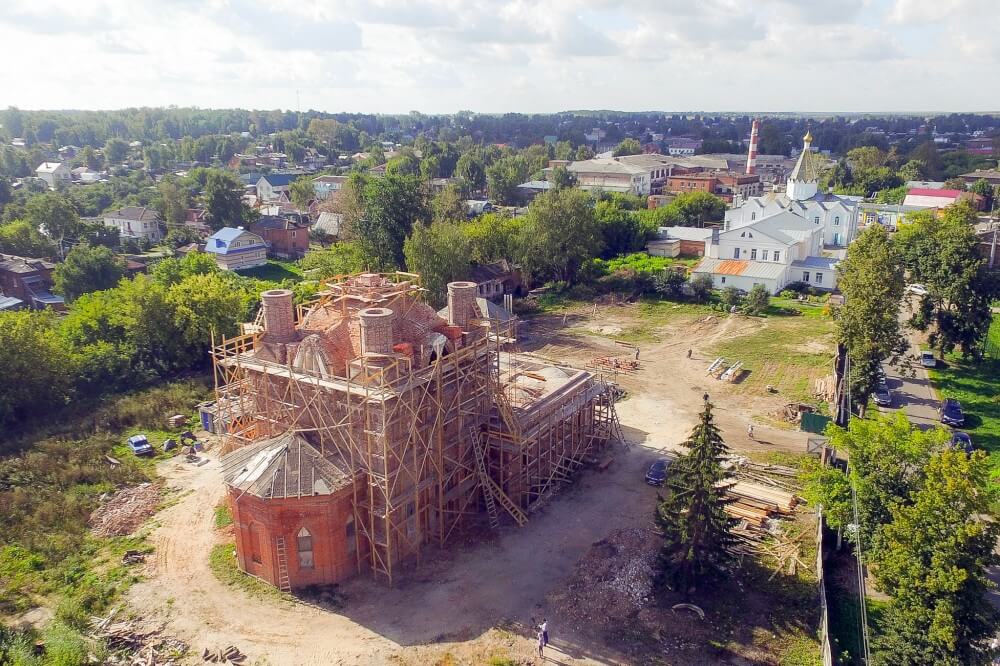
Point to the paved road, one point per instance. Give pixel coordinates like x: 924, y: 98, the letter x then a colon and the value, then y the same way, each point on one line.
x: 914, y: 396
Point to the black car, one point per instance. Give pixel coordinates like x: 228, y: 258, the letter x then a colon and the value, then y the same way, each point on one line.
x: 951, y: 412
x: 883, y: 397
x: 961, y: 440
x: 657, y: 473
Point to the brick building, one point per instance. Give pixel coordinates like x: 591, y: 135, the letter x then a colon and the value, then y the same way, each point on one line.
x: 285, y: 239
x: 29, y: 280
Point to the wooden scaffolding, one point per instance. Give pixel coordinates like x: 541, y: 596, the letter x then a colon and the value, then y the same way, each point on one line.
x: 430, y: 447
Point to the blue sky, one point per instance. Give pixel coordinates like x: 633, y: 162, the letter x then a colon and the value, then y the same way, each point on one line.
x: 494, y: 56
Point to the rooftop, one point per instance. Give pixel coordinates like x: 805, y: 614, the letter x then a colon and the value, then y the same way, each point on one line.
x: 48, y: 167
x: 135, y: 213
x: 605, y: 167
x: 751, y: 269
x: 927, y: 192
x: 284, y: 466
x: 10, y: 263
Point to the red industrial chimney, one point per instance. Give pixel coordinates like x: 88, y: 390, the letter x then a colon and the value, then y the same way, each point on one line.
x: 752, y: 154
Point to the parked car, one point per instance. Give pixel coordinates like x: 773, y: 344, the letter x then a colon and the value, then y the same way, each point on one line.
x: 140, y: 446
x: 918, y: 289
x: 927, y: 359
x: 657, y: 473
x: 951, y: 412
x: 961, y: 440
x: 883, y: 396
x: 880, y: 378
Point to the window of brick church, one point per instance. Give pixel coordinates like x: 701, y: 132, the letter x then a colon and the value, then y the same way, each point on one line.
x: 304, y: 546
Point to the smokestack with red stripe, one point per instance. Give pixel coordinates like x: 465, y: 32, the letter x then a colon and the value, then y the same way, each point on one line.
x: 752, y: 155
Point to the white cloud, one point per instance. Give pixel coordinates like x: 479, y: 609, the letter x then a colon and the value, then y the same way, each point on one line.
x: 500, y: 55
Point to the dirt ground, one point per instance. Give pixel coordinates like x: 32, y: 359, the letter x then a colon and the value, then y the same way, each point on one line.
x: 479, y: 598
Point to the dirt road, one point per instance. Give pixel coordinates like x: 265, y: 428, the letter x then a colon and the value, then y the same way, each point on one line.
x: 451, y: 604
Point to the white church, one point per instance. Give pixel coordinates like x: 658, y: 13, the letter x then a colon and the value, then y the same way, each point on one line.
x: 835, y: 214
x: 779, y: 239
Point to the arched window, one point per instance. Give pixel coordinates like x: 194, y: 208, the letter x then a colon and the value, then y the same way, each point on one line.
x: 304, y: 546
x: 753, y: 216
x: 254, y: 538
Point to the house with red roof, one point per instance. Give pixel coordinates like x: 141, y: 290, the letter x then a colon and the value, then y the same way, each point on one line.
x: 919, y: 196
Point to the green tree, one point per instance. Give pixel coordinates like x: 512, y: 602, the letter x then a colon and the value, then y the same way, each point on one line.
x: 985, y: 190
x: 173, y: 202
x: 492, y: 236
x: 731, y: 298
x: 871, y: 279
x: 204, y: 305
x: 472, y: 171
x: 559, y: 233
x: 670, y: 284
x: 169, y: 272
x: 302, y: 192
x: 338, y: 259
x: 701, y: 288
x: 54, y: 213
x: 621, y: 230
x: 503, y: 177
x: 35, y: 364
x: 224, y: 200
x: 758, y: 300
x: 866, y: 158
x: 115, y: 151
x: 942, y: 253
x: 180, y: 236
x: 561, y: 178
x: 936, y: 549
x: 391, y: 205
x: 22, y: 239
x: 440, y: 254
x: 86, y: 269
x: 627, y: 147
x: 828, y: 487
x: 913, y: 170
x: 403, y: 165
x: 695, y: 209
x: 448, y: 205
x: 583, y: 153
x: 692, y: 514
x: 887, y: 456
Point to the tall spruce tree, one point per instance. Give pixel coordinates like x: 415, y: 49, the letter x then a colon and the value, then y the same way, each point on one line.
x: 692, y: 514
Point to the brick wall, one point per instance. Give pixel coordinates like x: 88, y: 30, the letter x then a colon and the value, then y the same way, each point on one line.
x: 259, y: 523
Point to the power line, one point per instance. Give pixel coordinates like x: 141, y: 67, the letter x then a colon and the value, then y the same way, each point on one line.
x: 858, y: 547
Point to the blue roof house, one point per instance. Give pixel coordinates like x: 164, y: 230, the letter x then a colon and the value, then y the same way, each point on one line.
x: 237, y: 248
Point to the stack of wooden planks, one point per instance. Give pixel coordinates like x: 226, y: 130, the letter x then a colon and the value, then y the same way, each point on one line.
x: 755, y: 503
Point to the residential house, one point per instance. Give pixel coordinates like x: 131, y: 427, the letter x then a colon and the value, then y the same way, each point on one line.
x: 941, y: 198
x: 496, y: 279
x: 610, y: 175
x: 53, y: 173
x: 285, y: 239
x: 775, y: 252
x: 531, y: 189
x: 835, y: 215
x: 991, y: 176
x: 477, y: 207
x: 236, y: 248
x: 679, y: 241
x: 890, y: 216
x: 329, y: 223
x: 682, y: 145
x: 136, y: 223
x: 29, y: 281
x: 980, y: 146
x: 272, y: 186
x: 324, y: 186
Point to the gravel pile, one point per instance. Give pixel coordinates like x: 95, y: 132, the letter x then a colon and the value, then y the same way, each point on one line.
x: 614, y: 580
x: 125, y: 511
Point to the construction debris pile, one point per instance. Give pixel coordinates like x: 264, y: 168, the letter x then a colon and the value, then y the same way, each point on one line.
x: 123, y: 513
x: 613, y: 580
x: 130, y: 645
x: 227, y: 655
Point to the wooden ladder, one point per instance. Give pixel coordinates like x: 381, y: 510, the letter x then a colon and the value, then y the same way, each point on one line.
x: 283, y: 583
x: 484, y: 478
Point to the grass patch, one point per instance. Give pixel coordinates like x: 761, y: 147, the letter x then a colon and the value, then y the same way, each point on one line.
x: 222, y: 561
x: 993, y: 339
x: 789, y: 353
x: 974, y: 383
x: 275, y: 270
x: 792, y: 306
x: 223, y: 516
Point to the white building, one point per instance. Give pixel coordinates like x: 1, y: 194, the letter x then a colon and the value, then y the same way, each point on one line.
x: 324, y: 186
x: 835, y: 214
x: 53, y: 172
x: 136, y: 222
x: 236, y: 248
x: 775, y: 252
x: 610, y: 175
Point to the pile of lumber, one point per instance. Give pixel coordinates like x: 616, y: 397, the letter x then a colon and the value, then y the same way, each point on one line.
x: 614, y: 364
x: 130, y: 645
x: 755, y: 503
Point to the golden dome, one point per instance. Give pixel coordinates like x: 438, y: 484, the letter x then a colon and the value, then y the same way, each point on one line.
x: 808, y: 138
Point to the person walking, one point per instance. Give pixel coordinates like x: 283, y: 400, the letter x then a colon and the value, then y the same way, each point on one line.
x: 541, y: 644
x: 544, y: 626
x: 750, y: 430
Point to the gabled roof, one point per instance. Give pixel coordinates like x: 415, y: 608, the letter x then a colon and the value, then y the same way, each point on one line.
x: 10, y: 263
x: 275, y: 222
x: 496, y: 270
x: 330, y: 179
x: 221, y: 241
x: 135, y: 213
x: 48, y: 167
x: 927, y: 192
x: 785, y: 227
x: 751, y: 269
x: 282, y: 467
x: 279, y: 179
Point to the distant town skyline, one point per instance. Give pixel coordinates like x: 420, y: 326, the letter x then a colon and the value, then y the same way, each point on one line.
x: 440, y: 56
